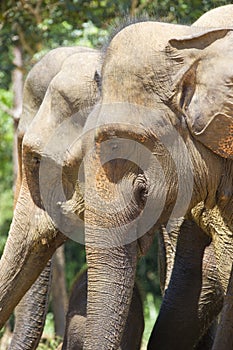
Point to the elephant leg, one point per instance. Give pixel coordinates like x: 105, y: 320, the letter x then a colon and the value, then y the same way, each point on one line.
x: 207, y: 340
x: 224, y: 335
x: 192, y: 297
x: 166, y: 255
x: 31, y: 312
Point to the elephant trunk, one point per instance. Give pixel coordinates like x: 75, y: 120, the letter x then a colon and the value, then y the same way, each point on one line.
x: 31, y: 313
x: 113, y: 203
x: 31, y: 242
x: 111, y: 275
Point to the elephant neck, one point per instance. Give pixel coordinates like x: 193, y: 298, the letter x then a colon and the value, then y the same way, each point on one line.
x: 225, y: 193
x: 213, y: 209
x: 206, y: 172
x: 219, y: 229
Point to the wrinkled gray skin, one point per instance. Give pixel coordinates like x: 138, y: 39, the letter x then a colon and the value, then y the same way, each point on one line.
x: 186, y: 246
x: 217, y: 17
x: 33, y: 237
x: 159, y: 78
x: 222, y: 17
x: 210, y: 202
x: 28, y: 328
x: 31, y: 312
x: 76, y: 319
x: 35, y: 87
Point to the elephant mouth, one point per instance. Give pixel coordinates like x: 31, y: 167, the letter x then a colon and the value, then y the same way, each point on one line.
x: 144, y: 242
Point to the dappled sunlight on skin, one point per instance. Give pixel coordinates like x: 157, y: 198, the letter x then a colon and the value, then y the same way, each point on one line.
x: 116, y: 156
x: 128, y: 165
x: 60, y: 85
x: 165, y: 72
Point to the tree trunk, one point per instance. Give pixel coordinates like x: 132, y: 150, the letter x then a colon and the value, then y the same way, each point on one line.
x: 17, y: 82
x: 134, y: 4
x: 59, y: 294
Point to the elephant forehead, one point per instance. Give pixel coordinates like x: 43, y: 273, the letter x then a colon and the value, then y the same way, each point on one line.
x: 74, y: 84
x: 126, y: 86
x: 135, y: 57
x: 129, y: 75
x: 147, y: 35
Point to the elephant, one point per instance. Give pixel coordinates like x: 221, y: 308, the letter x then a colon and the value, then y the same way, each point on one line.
x: 217, y: 17
x: 183, y: 247
x: 77, y: 66
x: 161, y: 149
x: 76, y: 318
x: 209, y: 198
x: 221, y: 16
x: 28, y: 328
x: 35, y: 88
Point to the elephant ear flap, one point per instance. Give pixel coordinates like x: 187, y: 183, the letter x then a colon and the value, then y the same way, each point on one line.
x: 218, y: 135
x: 201, y: 99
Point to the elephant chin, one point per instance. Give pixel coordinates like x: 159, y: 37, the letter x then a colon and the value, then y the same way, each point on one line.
x: 145, y: 242
x: 28, y: 248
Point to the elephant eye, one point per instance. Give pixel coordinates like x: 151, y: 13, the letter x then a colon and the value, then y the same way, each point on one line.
x: 186, y: 96
x: 97, y: 79
x: 187, y: 87
x: 141, y: 189
x: 31, y: 158
x: 35, y: 159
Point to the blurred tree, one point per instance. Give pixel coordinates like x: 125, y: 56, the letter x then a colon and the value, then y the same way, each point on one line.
x: 6, y: 167
x: 59, y: 293
x: 176, y: 11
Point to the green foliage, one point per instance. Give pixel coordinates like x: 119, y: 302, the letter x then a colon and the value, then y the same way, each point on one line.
x: 6, y: 139
x: 151, y: 310
x: 40, y: 26
x: 177, y: 11
x: 49, y: 344
x: 37, y: 26
x: 49, y: 341
x: 76, y: 261
x: 6, y: 168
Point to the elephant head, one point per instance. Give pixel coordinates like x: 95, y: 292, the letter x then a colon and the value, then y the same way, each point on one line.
x: 217, y: 17
x: 156, y: 146
x: 70, y: 87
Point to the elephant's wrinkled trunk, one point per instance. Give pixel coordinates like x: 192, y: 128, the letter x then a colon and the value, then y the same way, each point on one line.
x: 115, y: 195
x: 31, y: 242
x: 31, y: 313
x: 111, y: 274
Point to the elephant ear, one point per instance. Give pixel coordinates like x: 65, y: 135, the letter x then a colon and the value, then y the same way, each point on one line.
x: 204, y: 87
x: 218, y: 135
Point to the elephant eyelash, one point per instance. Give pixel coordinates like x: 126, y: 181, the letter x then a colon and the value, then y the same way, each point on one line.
x: 98, y: 80
x: 186, y: 96
x: 36, y: 160
x: 187, y: 87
